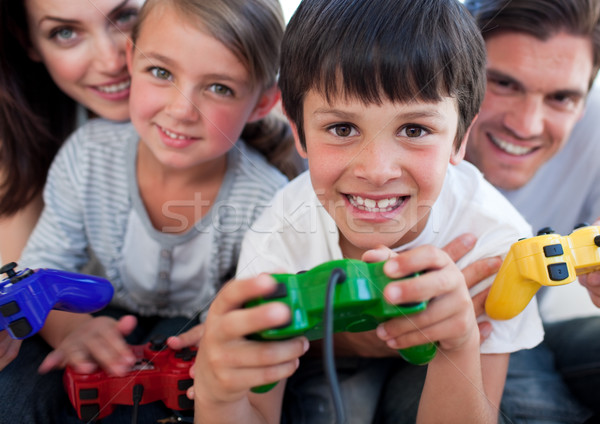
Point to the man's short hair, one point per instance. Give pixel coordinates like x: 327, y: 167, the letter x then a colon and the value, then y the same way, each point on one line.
x: 541, y: 19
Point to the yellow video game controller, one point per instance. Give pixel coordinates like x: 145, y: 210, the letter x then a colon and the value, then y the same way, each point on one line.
x: 548, y: 259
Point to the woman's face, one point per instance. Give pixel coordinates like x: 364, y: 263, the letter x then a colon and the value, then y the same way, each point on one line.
x: 82, y: 44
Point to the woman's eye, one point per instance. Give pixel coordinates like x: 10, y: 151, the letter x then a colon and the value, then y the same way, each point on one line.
x: 221, y: 89
x: 413, y: 131
x: 160, y: 73
x: 342, y: 130
x: 63, y: 34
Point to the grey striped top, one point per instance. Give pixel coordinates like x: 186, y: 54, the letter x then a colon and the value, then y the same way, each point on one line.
x: 92, y: 201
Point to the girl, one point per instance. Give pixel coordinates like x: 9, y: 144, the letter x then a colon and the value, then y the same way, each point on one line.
x: 164, y: 201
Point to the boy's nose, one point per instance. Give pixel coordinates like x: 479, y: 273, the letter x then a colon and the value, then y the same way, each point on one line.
x: 526, y: 117
x: 377, y: 163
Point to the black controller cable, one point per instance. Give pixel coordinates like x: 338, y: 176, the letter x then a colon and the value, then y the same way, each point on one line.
x: 337, y: 276
x: 138, y: 392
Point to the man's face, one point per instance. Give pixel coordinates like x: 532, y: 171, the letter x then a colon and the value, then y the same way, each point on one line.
x: 535, y: 94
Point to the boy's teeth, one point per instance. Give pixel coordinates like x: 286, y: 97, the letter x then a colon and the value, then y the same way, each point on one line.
x: 372, y: 205
x: 115, y: 88
x: 510, y: 148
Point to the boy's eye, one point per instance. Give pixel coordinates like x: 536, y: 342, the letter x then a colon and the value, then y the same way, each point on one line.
x: 413, y: 131
x: 221, y: 89
x: 342, y: 130
x: 160, y: 73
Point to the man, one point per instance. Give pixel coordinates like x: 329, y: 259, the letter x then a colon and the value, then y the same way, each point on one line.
x: 543, y: 57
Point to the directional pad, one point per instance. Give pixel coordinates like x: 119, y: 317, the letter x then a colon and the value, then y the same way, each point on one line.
x: 558, y: 272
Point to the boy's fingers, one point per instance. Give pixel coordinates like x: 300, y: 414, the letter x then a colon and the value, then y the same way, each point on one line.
x: 237, y: 292
x: 378, y: 254
x: 126, y: 324
x: 460, y: 246
x: 243, y: 322
x: 54, y: 359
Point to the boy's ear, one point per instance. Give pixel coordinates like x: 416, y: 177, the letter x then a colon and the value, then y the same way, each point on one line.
x: 301, y: 150
x: 267, y: 100
x: 458, y: 155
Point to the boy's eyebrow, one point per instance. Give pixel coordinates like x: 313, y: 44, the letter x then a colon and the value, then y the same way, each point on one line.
x: 74, y: 21
x: 426, y: 112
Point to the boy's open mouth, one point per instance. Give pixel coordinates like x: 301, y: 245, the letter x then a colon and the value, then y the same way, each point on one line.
x: 372, y: 205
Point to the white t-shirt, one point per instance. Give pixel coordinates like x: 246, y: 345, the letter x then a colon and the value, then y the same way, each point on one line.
x: 297, y: 234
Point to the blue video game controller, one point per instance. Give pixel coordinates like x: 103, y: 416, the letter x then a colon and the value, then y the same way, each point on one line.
x: 26, y: 297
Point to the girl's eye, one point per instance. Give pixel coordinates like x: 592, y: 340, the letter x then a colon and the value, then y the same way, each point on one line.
x: 413, y: 131
x: 160, y: 73
x: 342, y: 130
x: 221, y: 89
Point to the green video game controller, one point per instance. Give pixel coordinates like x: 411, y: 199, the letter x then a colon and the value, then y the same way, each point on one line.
x: 358, y: 305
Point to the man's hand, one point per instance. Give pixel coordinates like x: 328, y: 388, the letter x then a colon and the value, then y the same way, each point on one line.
x: 591, y: 282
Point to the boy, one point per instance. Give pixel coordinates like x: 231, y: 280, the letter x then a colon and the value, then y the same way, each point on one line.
x: 380, y: 104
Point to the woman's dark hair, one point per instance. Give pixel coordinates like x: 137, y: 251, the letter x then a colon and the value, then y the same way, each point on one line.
x: 35, y: 115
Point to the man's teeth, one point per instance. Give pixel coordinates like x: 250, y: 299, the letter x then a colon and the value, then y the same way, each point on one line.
x: 510, y: 148
x: 174, y: 135
x: 372, y: 205
x: 115, y: 88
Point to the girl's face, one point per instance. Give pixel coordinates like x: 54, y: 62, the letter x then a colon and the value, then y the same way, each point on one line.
x: 82, y: 44
x: 190, y: 95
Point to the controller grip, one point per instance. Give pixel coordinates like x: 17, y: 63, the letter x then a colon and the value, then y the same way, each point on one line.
x: 76, y: 292
x: 419, y: 355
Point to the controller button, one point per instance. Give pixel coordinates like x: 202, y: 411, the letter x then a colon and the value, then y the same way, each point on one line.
x: 558, y: 272
x: 581, y: 225
x: 20, y: 328
x: 9, y: 269
x: 88, y: 394
x: 280, y: 291
x: 185, y: 402
x: 545, y: 230
x: 89, y: 412
x: 597, y: 241
x: 10, y: 308
x: 185, y: 384
x: 553, y: 250
x: 23, y: 276
x: 158, y: 342
x: 186, y: 354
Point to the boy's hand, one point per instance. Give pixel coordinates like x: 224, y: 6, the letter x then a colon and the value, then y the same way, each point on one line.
x: 449, y: 318
x: 227, y: 364
x: 99, y: 341
x: 9, y: 348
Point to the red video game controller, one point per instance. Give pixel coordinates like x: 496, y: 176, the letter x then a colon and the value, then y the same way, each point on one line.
x: 160, y: 373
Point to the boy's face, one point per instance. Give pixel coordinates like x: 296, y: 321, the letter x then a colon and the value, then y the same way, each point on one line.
x: 378, y: 169
x: 535, y: 94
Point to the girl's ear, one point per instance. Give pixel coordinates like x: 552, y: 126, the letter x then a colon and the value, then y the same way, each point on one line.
x: 267, y: 100
x: 129, y: 54
x: 458, y: 155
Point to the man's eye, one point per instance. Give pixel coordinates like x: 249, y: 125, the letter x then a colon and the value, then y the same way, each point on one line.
x: 160, y: 73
